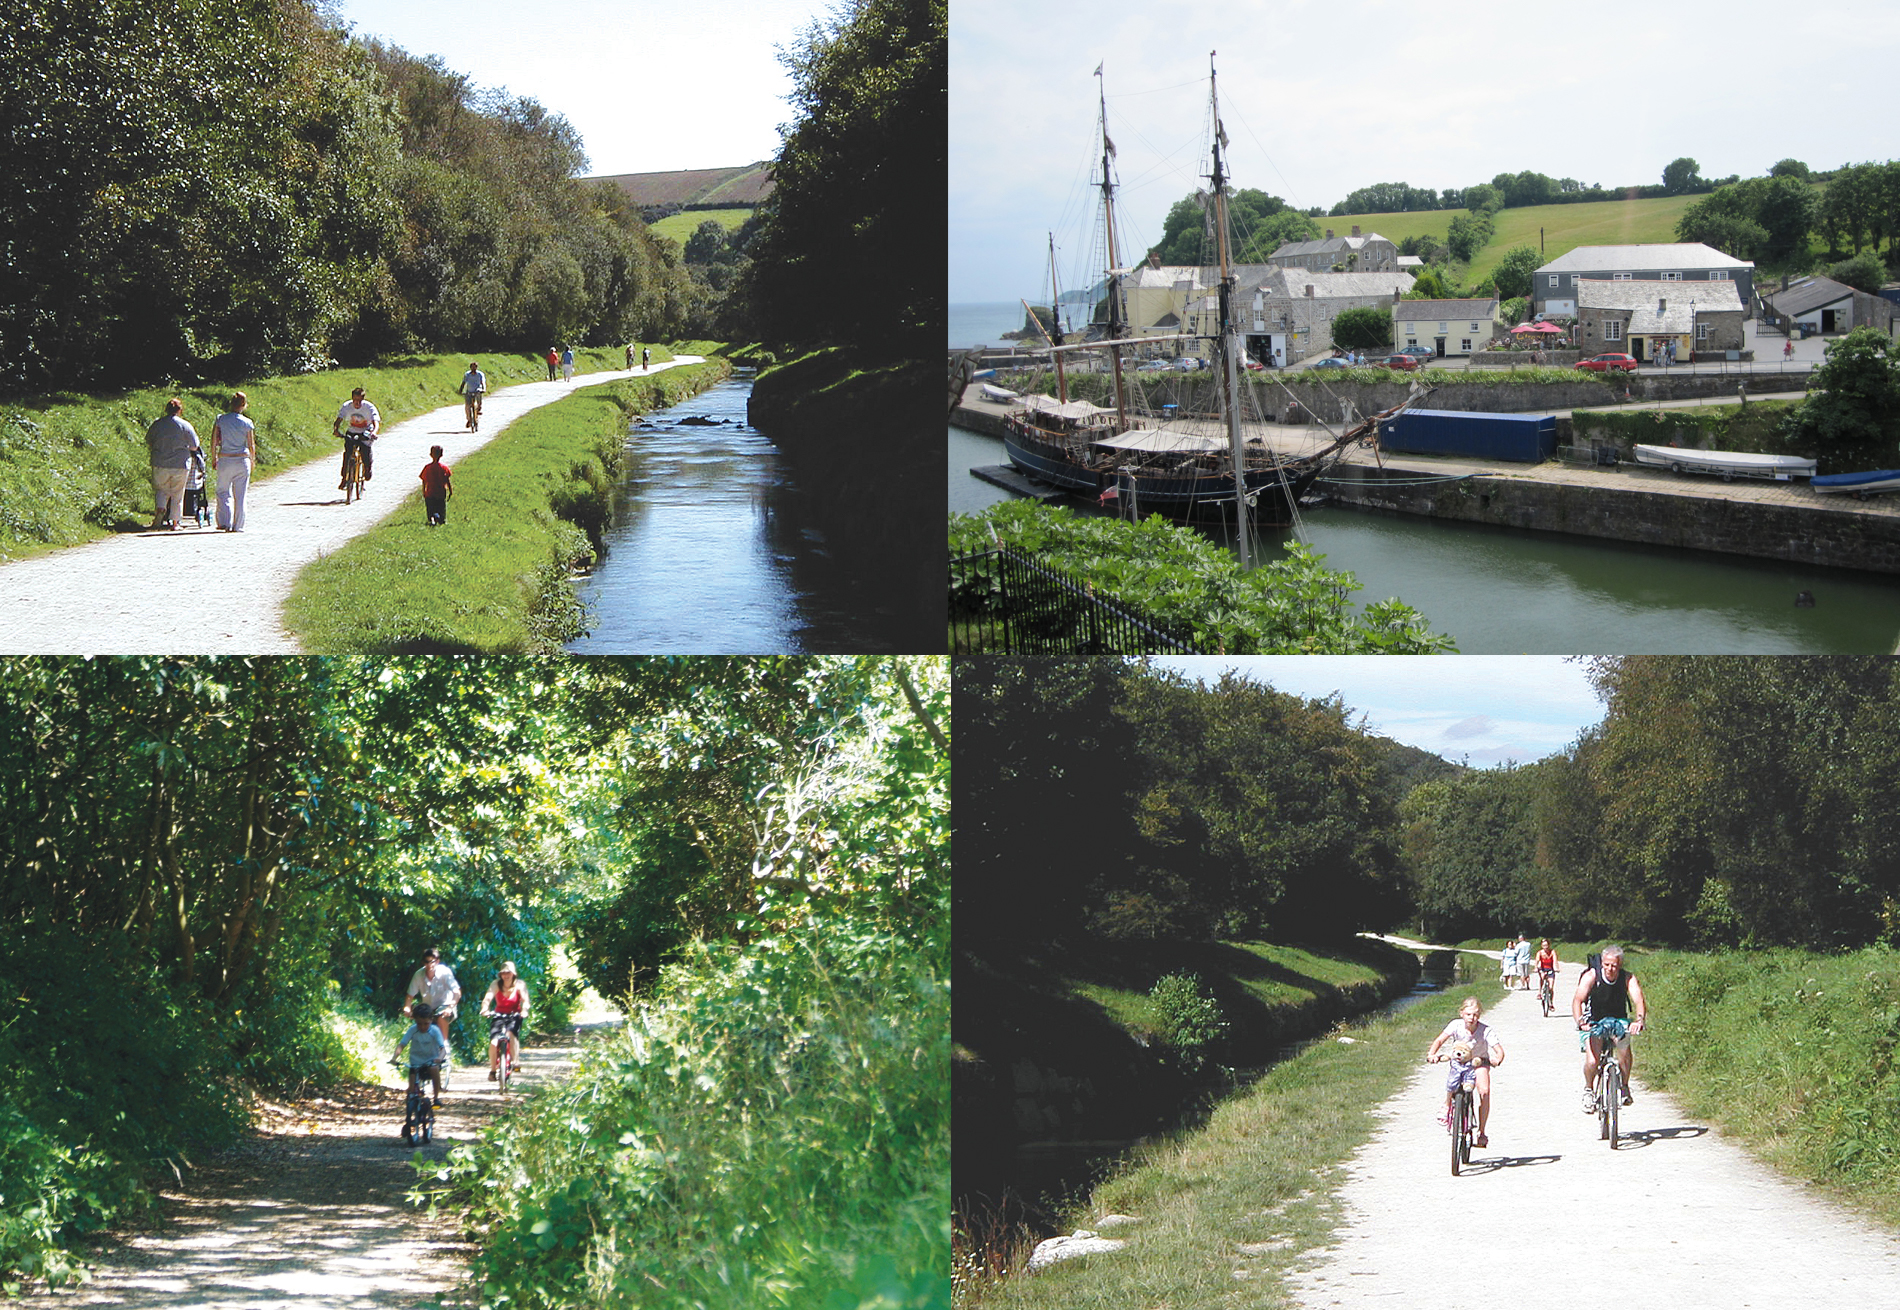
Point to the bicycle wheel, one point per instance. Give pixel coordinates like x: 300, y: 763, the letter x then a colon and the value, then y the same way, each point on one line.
x: 1457, y: 1132
x: 1613, y: 1101
x: 1470, y: 1130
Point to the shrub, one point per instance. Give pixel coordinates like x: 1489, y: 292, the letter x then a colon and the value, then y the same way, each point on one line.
x: 1190, y: 1023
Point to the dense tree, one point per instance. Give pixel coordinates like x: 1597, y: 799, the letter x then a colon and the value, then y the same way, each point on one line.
x: 1759, y: 219
x: 1789, y: 168
x: 1388, y: 198
x: 1681, y: 176
x: 858, y: 183
x: 1513, y: 272
x: 1853, y: 419
x: 1865, y: 271
x: 1259, y: 224
x: 1468, y: 844
x: 1364, y: 328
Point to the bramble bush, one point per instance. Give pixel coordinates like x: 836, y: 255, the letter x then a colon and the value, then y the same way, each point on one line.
x: 772, y: 1129
x: 1191, y: 1023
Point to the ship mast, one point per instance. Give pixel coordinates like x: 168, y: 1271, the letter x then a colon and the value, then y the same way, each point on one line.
x: 1229, y: 340
x: 1055, y: 323
x: 1115, y: 325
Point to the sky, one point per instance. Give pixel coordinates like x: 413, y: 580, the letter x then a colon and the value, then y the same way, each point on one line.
x: 650, y: 88
x: 1482, y: 710
x: 1322, y: 98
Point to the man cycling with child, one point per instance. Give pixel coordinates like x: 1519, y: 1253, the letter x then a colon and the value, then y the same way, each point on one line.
x: 474, y: 387
x: 1607, y: 990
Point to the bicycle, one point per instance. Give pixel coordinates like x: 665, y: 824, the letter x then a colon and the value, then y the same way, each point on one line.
x: 418, y: 1112
x: 1544, y: 991
x: 1609, y: 1088
x: 499, y: 1031
x: 472, y: 412
x: 1463, y: 1120
x: 352, y: 470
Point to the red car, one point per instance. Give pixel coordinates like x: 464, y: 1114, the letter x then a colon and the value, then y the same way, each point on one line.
x: 1609, y: 364
x: 1404, y: 363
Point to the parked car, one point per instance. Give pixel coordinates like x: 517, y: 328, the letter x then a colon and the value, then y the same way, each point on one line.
x: 1187, y: 364
x: 1333, y: 361
x: 1153, y: 366
x: 1403, y: 363
x: 1609, y: 363
x: 1255, y: 366
x: 1419, y: 352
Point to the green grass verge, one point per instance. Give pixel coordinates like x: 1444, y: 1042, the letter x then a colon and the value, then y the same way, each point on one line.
x: 679, y: 226
x: 528, y: 508
x: 74, y: 467
x: 1791, y: 1051
x: 1262, y: 1171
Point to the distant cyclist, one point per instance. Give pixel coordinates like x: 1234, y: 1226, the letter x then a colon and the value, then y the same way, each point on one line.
x: 435, y: 983
x: 1607, y: 991
x: 1546, y: 963
x: 505, y: 1004
x: 362, y: 420
x: 474, y: 387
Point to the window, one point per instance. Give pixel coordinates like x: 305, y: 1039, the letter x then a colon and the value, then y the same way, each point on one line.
x: 1474, y: 327
x: 1555, y: 278
x: 1409, y: 328
x: 1441, y: 327
x: 1702, y: 332
x: 1613, y: 330
x: 1465, y: 345
x: 1672, y: 277
x: 1411, y: 341
x: 1621, y: 277
x: 1720, y: 275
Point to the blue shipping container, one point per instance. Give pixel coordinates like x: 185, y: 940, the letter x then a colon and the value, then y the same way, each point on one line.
x: 1526, y: 438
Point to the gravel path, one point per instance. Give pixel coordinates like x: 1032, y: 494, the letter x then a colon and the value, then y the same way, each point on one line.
x: 309, y: 1212
x: 204, y: 592
x: 1683, y: 1216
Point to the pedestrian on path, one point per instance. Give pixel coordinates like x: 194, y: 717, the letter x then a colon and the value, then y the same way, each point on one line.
x: 645, y: 355
x: 1787, y: 351
x: 630, y: 356
x: 567, y: 363
x: 195, y: 500
x: 171, y: 441
x: 233, y: 454
x: 554, y: 362
x: 436, y: 489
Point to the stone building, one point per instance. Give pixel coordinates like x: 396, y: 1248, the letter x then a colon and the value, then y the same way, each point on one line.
x: 1640, y: 318
x: 1554, y: 286
x: 1823, y: 305
x: 1286, y: 314
x: 1370, y: 253
x: 1450, y: 327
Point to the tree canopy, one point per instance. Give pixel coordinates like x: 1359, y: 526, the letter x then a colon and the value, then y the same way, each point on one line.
x: 1260, y: 224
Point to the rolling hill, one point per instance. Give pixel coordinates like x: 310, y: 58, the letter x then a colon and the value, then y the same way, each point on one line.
x: 1565, y: 227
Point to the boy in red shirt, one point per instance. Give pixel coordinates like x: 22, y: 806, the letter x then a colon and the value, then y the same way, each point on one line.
x: 435, y: 487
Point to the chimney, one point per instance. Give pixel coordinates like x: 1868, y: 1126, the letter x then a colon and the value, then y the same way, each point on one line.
x: 1397, y: 295
x: 1784, y: 281
x: 1154, y: 258
x: 1329, y: 234
x: 1309, y: 290
x: 1355, y: 229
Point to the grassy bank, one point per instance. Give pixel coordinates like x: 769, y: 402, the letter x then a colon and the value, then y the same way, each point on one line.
x: 1259, y: 1174
x: 74, y: 467
x: 1752, y: 427
x: 1793, y: 1052
x: 529, y: 507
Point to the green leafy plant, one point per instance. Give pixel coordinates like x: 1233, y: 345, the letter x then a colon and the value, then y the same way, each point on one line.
x: 1190, y: 1022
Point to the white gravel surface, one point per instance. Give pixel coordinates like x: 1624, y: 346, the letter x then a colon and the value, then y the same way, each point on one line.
x: 1683, y: 1217
x: 198, y: 591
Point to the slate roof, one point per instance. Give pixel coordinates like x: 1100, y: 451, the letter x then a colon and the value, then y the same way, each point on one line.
x: 1328, y: 245
x: 1421, y: 310
x: 1809, y: 293
x: 1277, y: 281
x: 1602, y: 293
x: 1643, y: 259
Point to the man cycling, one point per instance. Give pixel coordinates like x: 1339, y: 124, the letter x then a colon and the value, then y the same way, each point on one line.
x: 474, y: 387
x: 1607, y: 991
x: 435, y: 983
x: 362, y: 420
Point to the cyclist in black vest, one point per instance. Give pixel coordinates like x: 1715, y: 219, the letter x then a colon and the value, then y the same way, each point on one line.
x: 1607, y: 991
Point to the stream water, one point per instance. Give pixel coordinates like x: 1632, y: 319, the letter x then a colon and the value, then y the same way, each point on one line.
x: 1503, y: 591
x: 710, y: 552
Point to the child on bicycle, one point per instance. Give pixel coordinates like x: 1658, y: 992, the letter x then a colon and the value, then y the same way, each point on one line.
x: 428, y: 1048
x: 1475, y: 1050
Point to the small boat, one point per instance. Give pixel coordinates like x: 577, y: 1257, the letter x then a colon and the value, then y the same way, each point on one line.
x: 999, y: 395
x: 1861, y: 484
x: 1730, y: 464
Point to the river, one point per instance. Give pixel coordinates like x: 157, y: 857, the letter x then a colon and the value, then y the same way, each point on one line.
x: 709, y: 552
x: 1503, y: 591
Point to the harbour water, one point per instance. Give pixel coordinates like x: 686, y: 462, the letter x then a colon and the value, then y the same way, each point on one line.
x: 982, y: 324
x: 1500, y: 591
x: 709, y: 552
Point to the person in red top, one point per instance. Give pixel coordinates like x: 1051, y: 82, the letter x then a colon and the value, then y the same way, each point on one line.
x: 435, y: 487
x: 554, y: 362
x: 505, y: 1004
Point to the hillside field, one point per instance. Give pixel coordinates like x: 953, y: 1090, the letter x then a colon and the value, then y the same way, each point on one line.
x: 1599, y: 223
x: 683, y: 224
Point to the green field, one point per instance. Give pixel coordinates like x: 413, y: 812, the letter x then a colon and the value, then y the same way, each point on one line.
x: 1565, y: 227
x: 683, y: 224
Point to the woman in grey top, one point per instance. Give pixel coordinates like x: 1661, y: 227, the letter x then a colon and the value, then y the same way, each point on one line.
x: 171, y: 440
x: 233, y: 451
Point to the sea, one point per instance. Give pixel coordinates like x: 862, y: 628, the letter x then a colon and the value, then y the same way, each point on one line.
x: 983, y: 325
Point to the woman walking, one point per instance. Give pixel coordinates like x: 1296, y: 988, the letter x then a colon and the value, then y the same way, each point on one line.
x: 233, y: 452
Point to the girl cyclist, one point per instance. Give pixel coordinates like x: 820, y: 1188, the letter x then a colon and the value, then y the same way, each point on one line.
x: 506, y: 1004
x: 1470, y: 1036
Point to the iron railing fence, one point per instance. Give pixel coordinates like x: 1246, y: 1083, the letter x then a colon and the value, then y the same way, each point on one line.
x: 1003, y: 602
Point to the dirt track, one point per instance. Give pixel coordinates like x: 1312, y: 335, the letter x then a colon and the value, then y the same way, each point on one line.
x: 309, y: 1212
x: 1686, y: 1218
x: 204, y: 592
